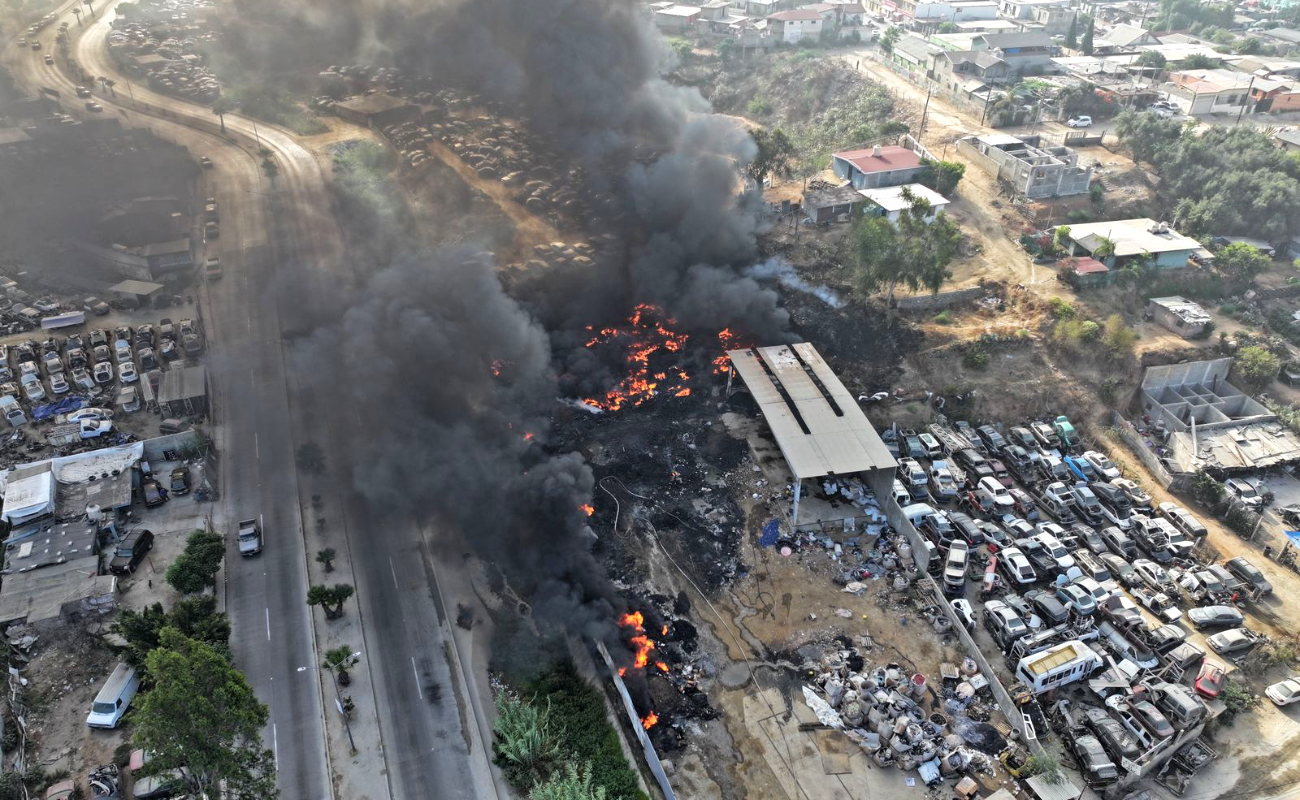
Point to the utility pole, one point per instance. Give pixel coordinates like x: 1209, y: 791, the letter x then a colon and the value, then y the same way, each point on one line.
x: 1249, y: 87
x: 929, y: 90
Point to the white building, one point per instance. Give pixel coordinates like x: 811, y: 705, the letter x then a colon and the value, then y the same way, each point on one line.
x: 891, y: 201
x: 792, y: 26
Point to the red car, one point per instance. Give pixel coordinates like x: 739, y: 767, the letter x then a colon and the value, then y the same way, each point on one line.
x: 1210, y: 680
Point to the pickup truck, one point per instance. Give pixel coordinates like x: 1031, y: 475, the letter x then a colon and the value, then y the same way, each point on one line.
x: 76, y: 431
x: 250, y: 537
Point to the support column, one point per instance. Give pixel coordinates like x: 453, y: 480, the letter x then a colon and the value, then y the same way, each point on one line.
x: 798, y: 490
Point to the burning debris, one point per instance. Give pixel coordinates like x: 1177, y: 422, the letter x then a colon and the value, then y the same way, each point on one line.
x: 643, y: 338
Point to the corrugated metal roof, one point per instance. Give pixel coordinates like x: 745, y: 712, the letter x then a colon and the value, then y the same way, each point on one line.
x: 818, y: 424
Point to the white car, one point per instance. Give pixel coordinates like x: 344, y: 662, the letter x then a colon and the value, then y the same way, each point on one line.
x: 962, y: 608
x: 994, y: 496
x: 104, y: 372
x: 1082, y: 121
x: 81, y: 378
x: 1245, y: 491
x: 58, y: 383
x: 1102, y: 463
x: 126, y: 372
x: 90, y: 413
x: 1284, y: 693
x: 1053, y: 546
x: 32, y: 388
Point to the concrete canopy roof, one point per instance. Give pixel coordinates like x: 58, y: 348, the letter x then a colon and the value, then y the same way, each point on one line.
x: 1132, y: 237
x: 891, y: 198
x: 818, y: 424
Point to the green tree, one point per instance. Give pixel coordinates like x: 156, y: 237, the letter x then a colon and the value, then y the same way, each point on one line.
x: 202, y: 719
x: 340, y: 659
x: 911, y: 252
x: 889, y: 39
x: 524, y: 744
x: 1239, y: 261
x: 949, y: 27
x: 1250, y: 46
x: 195, y: 569
x: 195, y: 617
x: 330, y: 598
x: 326, y: 558
x: 1072, y: 35
x: 1086, y: 44
x: 774, y: 157
x: 1206, y: 489
x: 1117, y: 337
x: 1105, y: 248
x: 1256, y: 366
x: 1199, y: 61
x: 942, y: 176
x: 141, y: 630
x: 1150, y: 58
x: 271, y: 169
x: 221, y: 108
x: 571, y: 783
x: 1061, y: 243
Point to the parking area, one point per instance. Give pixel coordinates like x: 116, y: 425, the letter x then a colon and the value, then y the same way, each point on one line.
x: 1080, y: 587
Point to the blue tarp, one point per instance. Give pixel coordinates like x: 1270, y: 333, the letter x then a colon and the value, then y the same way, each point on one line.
x: 64, y: 406
x: 771, y: 532
x: 1294, y: 536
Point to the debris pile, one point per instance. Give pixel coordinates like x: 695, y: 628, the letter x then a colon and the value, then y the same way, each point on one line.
x: 898, y: 718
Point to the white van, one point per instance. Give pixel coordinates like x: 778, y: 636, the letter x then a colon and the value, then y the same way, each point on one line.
x: 115, y: 698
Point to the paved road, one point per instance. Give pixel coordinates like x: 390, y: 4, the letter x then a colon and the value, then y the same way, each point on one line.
x: 429, y: 728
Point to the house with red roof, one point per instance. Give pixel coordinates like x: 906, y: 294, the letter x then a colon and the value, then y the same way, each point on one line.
x: 877, y: 166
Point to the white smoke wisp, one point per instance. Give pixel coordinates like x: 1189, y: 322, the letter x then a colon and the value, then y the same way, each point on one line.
x: 779, y: 269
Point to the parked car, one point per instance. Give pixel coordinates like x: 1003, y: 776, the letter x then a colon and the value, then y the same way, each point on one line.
x: 942, y: 484
x: 1016, y: 567
x: 1045, y: 434
x: 994, y: 497
x: 1091, y: 566
x: 1048, y: 537
x: 1081, y: 121
x: 1025, y: 438
x: 1102, y: 463
x: 1138, y: 496
x: 1215, y: 617
x: 1088, y: 537
x: 1119, y: 542
x: 180, y: 481
x: 993, y: 441
x: 1244, y: 491
x: 205, y: 162
x: 1096, y: 766
x: 1077, y: 599
x: 1002, y: 623
x: 1115, y: 505
x: 1112, y: 734
x: 131, y: 551
x: 1232, y: 642
x: 1057, y: 501
x: 954, y: 570
x: 126, y: 372
x: 1150, y: 718
x: 1086, y: 505
x: 153, y: 493
x: 1158, y: 603
x: 913, y: 477
x: 1183, y: 520
x: 1153, y: 576
x: 1052, y: 611
x: 104, y: 372
x: 1249, y: 574
x: 966, y: 529
x: 975, y: 465
x: 1121, y: 612
x: 1210, y: 680
x: 931, y: 445
x: 1025, y: 506
x: 1284, y: 693
x: 1081, y: 469
x: 58, y: 383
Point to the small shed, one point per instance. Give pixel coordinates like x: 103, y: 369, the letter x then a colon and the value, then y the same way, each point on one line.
x: 827, y: 204
x: 184, y: 392
x: 1178, y: 314
x: 133, y: 291
x: 1084, y: 271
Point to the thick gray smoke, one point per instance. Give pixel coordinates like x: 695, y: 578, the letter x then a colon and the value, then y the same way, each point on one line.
x: 429, y: 328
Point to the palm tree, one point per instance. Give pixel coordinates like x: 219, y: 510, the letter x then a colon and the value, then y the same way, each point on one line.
x: 221, y: 108
x: 1105, y: 248
x: 91, y: 5
x: 76, y: 12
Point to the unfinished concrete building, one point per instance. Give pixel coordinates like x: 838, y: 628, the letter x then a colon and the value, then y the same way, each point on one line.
x: 1213, y: 424
x: 1034, y: 171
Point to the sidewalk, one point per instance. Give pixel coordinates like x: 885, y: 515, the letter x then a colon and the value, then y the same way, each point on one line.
x: 359, y: 775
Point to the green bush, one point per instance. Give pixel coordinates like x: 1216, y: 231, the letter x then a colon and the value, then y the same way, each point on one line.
x: 1061, y: 309
x: 525, y: 743
x: 577, y: 709
x: 758, y: 107
x: 975, y: 357
x: 1256, y: 366
x: 1236, y: 699
x: 1097, y: 193
x: 196, y: 567
x: 1119, y: 338
x: 1206, y: 489
x: 943, y: 318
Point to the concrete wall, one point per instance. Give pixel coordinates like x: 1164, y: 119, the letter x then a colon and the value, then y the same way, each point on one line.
x: 940, y: 300
x: 1135, y: 442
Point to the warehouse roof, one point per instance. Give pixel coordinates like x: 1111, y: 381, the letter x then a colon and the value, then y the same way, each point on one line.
x: 183, y: 384
x: 817, y: 423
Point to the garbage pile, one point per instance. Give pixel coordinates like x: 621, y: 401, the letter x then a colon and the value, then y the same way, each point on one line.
x: 898, y: 719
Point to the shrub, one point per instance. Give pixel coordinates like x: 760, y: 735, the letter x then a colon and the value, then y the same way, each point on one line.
x: 1256, y: 366
x: 1060, y: 308
x: 1106, y: 391
x: 195, y: 569
x: 525, y: 744
x: 1097, y: 193
x: 943, y: 318
x: 1236, y: 699
x: 975, y: 357
x: 1119, y: 338
x: 1206, y: 490
x: 758, y: 107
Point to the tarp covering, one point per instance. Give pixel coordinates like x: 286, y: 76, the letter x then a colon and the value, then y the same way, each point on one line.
x: 29, y: 497
x: 1294, y: 536
x: 64, y: 406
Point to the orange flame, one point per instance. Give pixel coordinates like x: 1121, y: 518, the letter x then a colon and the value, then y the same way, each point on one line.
x: 644, y: 338
x: 661, y: 666
x: 588, y: 508
x: 642, y: 643
x: 622, y: 671
x: 649, y: 720
x: 665, y: 630
x: 528, y: 437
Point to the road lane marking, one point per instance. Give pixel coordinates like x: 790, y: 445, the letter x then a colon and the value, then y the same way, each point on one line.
x: 268, y: 623
x: 394, y: 571
x: 257, y: 446
x: 275, y: 745
x: 416, y: 673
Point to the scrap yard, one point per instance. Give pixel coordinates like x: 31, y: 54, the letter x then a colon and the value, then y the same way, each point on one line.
x: 624, y: 399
